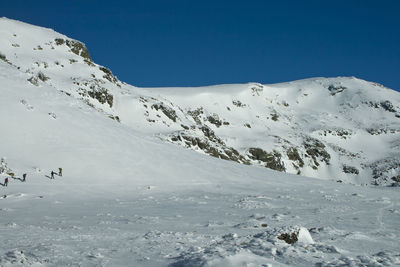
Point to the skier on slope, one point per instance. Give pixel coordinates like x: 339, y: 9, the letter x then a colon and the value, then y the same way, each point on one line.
x: 24, y: 177
x: 59, y: 171
x: 52, y: 174
x: 6, y: 182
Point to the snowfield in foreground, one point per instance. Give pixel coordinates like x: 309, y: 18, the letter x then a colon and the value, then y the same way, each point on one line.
x: 128, y: 198
x: 240, y: 217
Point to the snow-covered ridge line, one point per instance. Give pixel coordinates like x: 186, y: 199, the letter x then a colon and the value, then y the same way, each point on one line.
x: 341, y: 128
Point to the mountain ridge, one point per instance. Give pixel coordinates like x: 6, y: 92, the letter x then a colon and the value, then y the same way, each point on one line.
x: 345, y: 129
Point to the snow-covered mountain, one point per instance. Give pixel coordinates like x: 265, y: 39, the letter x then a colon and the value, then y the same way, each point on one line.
x: 132, y: 194
x: 343, y: 128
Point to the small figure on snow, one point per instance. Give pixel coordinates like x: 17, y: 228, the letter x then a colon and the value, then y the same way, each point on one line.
x: 59, y: 171
x: 6, y: 182
x: 52, y: 174
x: 24, y: 177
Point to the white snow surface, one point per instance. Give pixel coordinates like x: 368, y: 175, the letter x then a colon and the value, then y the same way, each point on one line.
x: 128, y: 198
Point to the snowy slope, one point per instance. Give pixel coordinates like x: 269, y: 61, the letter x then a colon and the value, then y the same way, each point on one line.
x: 344, y: 129
x: 338, y: 128
x: 127, y: 197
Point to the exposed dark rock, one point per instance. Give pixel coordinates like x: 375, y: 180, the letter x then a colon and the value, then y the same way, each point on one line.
x: 350, y: 169
x: 316, y: 150
x: 4, y: 58
x: 238, y: 103
x: 209, y: 144
x: 256, y: 89
x: 343, y: 133
x: 218, y: 150
x: 290, y: 238
x: 210, y: 134
x: 102, y: 95
x: 396, y: 178
x: 77, y: 48
x: 274, y: 116
x: 42, y: 77
x: 59, y: 41
x: 388, y: 106
x: 214, y: 119
x: 271, y: 160
x: 39, y: 76
x: 372, y: 104
x: 233, y: 154
x: 293, y: 155
x: 34, y: 80
x: 374, y: 131
x: 169, y: 112
x: 53, y: 115
x: 108, y: 75
x: 378, y: 131
x: 89, y: 63
x: 383, y: 170
x: 334, y: 89
x: 196, y: 114
x: 116, y: 118
x: 258, y: 154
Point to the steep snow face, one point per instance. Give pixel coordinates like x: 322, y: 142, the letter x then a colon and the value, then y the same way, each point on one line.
x: 343, y: 128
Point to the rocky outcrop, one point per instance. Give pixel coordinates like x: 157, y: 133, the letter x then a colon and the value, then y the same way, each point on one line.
x: 76, y: 47
x: 208, y: 143
x: 169, y: 112
x: 271, y: 160
x: 316, y: 150
x: 108, y: 75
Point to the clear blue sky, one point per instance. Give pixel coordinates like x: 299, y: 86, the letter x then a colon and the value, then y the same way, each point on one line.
x: 193, y: 43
